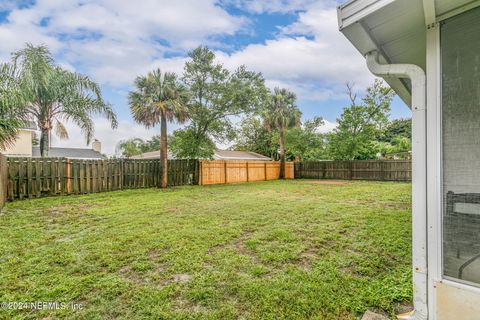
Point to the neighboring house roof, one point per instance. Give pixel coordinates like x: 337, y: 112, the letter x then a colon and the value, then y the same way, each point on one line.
x: 238, y: 155
x: 151, y: 155
x: 71, y: 153
x: 218, y: 155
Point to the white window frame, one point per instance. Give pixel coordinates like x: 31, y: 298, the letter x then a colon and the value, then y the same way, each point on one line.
x: 435, y: 165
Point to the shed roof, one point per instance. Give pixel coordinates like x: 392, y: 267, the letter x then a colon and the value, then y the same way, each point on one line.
x: 238, y: 155
x: 151, y: 155
x: 218, y: 155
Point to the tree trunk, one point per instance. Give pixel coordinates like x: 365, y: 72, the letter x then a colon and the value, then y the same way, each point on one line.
x: 163, y: 152
x: 44, y: 142
x: 282, y: 154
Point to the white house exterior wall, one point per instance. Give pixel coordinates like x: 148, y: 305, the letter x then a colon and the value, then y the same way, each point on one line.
x: 22, y: 146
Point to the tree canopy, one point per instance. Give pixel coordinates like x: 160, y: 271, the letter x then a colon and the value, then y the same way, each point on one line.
x: 216, y: 97
x: 360, y: 124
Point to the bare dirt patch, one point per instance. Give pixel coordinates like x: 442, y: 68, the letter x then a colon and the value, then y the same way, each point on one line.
x: 330, y: 182
x: 182, y: 277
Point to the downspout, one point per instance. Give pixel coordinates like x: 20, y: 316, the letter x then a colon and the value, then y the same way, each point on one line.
x: 419, y: 176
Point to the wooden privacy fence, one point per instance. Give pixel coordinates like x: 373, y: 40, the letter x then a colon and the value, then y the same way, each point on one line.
x: 382, y: 170
x: 36, y: 177
x: 3, y: 180
x: 234, y: 171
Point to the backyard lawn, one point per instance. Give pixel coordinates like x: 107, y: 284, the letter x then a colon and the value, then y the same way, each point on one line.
x: 297, y: 249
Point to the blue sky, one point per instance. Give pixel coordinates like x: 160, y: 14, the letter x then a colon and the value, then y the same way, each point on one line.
x: 294, y: 43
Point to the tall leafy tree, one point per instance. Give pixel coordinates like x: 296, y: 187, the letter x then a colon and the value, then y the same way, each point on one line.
x: 188, y: 144
x: 130, y: 147
x: 254, y: 136
x: 280, y: 113
x: 397, y: 128
x: 53, y: 95
x: 151, y: 144
x: 306, y: 142
x: 159, y: 98
x: 216, y: 97
x: 361, y: 124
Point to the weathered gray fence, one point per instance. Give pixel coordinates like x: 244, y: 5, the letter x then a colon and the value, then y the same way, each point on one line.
x: 382, y: 170
x: 3, y: 180
x: 36, y: 177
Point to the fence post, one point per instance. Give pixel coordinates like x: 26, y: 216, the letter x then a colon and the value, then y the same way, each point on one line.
x: 68, y: 182
x: 351, y: 169
x: 247, y: 171
x: 225, y: 168
x: 200, y: 172
x: 3, y: 180
x: 382, y: 171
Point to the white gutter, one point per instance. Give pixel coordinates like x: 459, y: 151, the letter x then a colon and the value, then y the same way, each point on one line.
x: 419, y: 176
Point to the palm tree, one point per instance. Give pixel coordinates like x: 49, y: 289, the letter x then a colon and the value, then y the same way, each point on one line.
x: 159, y: 98
x: 12, y: 115
x: 54, y: 95
x: 280, y: 113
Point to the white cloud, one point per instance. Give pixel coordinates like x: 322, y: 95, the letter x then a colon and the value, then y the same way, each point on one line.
x: 113, y: 41
x: 272, y: 6
x: 310, y: 57
x: 327, y: 126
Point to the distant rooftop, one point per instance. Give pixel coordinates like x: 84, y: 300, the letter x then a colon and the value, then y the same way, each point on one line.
x: 71, y: 153
x: 151, y: 155
x: 238, y: 155
x: 218, y: 155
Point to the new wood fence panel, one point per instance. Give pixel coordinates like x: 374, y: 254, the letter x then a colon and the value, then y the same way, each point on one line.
x: 256, y: 171
x: 272, y: 170
x: 380, y: 170
x: 212, y: 172
x: 289, y: 170
x: 236, y: 171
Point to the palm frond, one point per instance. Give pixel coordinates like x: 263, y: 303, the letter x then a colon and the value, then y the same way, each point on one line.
x: 12, y: 111
x: 281, y: 110
x: 158, y: 94
x: 51, y: 93
x: 60, y: 130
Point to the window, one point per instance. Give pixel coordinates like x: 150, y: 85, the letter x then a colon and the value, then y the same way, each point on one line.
x: 460, y: 50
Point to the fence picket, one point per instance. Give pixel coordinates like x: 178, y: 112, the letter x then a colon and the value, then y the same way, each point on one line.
x: 382, y: 170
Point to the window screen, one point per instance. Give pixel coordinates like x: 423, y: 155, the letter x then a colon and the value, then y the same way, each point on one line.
x: 460, y: 51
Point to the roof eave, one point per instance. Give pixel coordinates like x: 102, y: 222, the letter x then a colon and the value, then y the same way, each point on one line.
x: 354, y: 11
x: 350, y: 20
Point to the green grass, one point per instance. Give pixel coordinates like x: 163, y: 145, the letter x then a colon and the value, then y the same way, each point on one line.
x: 267, y: 250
